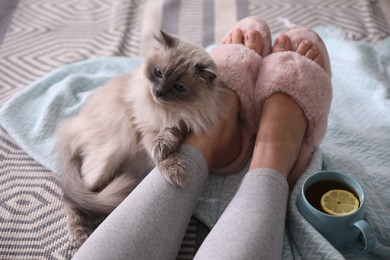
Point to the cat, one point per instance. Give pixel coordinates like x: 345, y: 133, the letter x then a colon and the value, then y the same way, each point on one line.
x: 132, y: 123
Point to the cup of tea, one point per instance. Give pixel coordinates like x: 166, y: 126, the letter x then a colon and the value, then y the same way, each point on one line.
x: 333, y: 203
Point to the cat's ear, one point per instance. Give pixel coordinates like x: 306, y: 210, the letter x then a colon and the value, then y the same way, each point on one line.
x: 207, y: 72
x: 166, y: 40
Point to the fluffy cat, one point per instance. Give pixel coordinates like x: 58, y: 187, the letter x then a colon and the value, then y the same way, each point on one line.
x: 131, y: 124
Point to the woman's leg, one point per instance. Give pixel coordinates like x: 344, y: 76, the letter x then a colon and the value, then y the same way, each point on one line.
x: 252, y: 225
x: 151, y: 222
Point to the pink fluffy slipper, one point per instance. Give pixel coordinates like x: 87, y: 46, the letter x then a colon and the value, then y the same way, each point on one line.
x: 306, y: 82
x: 238, y: 66
x: 255, y: 78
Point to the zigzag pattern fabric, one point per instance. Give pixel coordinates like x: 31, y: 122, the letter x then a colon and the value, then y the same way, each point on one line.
x: 41, y: 35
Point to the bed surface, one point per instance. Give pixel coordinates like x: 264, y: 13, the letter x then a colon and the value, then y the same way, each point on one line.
x: 39, y: 36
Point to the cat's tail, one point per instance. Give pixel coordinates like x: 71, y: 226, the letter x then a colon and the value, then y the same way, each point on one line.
x: 101, y: 202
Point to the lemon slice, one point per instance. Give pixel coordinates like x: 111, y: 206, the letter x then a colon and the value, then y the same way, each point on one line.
x: 339, y: 202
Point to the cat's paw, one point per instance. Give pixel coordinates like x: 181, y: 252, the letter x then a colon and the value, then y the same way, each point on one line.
x: 174, y: 170
x: 162, y: 149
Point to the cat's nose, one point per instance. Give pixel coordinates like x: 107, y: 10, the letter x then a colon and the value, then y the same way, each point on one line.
x: 159, y: 93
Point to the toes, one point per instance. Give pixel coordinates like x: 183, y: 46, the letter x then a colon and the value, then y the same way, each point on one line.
x: 310, y: 51
x: 237, y: 36
x: 282, y: 43
x: 319, y: 59
x: 303, y: 47
x: 254, y: 41
x: 311, y: 54
x: 228, y: 39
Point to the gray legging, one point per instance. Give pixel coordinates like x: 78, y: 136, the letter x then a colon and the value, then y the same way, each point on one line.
x: 151, y: 222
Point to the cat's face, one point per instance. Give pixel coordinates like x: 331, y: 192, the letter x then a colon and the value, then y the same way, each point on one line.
x: 180, y: 72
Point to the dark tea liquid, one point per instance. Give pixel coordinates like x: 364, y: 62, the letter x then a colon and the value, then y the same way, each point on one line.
x: 315, y: 191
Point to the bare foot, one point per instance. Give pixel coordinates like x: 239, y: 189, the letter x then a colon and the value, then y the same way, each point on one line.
x: 283, y: 123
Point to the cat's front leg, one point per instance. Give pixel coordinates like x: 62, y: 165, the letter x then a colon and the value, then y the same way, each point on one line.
x: 164, y: 148
x: 168, y: 141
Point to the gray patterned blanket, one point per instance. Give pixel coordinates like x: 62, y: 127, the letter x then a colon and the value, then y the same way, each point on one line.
x: 37, y: 37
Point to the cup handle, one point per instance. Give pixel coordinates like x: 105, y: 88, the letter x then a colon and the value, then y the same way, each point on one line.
x: 368, y: 238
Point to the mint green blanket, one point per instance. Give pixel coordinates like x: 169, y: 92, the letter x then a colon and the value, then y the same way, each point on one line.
x: 357, y: 142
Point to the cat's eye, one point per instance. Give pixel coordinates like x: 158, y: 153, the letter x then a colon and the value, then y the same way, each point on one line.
x: 179, y: 87
x: 158, y: 73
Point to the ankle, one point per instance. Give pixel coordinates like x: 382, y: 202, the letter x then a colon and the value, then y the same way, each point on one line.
x: 279, y: 156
